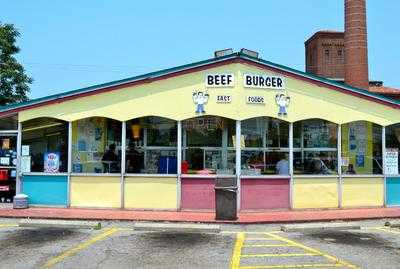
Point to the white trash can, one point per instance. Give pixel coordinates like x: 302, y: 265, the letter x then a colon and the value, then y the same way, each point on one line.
x: 20, y: 201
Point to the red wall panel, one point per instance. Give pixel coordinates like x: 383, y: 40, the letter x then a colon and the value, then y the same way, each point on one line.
x: 198, y: 193
x: 263, y: 193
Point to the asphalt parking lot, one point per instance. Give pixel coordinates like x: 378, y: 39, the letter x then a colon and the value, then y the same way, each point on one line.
x: 117, y: 245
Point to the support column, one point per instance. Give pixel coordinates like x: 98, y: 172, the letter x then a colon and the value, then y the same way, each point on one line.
x: 384, y: 164
x: 18, y: 185
x: 291, y: 163
x: 339, y: 161
x: 69, y: 166
x: 179, y: 165
x: 123, y: 163
x: 238, y: 161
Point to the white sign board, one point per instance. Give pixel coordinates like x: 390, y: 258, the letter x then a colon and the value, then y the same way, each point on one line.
x: 264, y: 81
x: 255, y: 100
x: 220, y: 80
x: 224, y: 99
x: 25, y: 164
x: 25, y: 150
x: 392, y: 161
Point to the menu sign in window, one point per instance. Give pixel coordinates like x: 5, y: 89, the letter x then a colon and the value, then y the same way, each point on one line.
x: 392, y: 161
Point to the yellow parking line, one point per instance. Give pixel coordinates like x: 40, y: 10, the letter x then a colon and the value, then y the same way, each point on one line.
x: 7, y: 225
x: 237, y: 251
x: 278, y: 255
x: 260, y: 238
x: 312, y: 250
x: 267, y: 245
x: 311, y: 265
x: 79, y: 247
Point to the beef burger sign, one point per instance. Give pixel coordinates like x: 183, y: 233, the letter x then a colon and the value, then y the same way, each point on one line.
x: 264, y: 81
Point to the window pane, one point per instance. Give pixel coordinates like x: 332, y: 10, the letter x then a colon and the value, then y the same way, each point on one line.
x: 315, y: 133
x: 393, y: 142
x: 96, y: 145
x: 9, y: 123
x: 258, y: 162
x: 208, y: 145
x: 266, y: 146
x: 151, y: 146
x: 47, y: 140
x: 315, y: 162
x: 253, y: 131
x: 361, y: 148
x: 315, y: 147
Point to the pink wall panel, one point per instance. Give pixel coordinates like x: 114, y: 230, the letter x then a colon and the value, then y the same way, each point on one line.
x: 264, y: 194
x: 198, y: 194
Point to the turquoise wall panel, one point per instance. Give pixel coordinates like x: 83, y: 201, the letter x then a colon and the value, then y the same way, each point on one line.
x: 393, y: 191
x: 45, y: 189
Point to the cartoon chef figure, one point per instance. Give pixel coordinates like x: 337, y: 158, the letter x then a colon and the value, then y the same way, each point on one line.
x: 200, y: 98
x: 283, y: 102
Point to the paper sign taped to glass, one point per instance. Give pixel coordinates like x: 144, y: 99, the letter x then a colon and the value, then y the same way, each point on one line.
x: 51, y: 162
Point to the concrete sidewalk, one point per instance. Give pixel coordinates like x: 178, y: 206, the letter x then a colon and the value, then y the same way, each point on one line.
x: 205, y: 217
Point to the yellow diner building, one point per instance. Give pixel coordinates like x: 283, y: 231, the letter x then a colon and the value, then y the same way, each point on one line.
x: 159, y: 141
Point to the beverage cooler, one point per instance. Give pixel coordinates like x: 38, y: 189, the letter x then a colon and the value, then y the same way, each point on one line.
x: 8, y: 162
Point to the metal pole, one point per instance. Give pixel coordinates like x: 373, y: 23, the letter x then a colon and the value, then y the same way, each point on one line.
x: 179, y: 164
x: 339, y: 165
x: 384, y: 164
x: 238, y: 161
x: 291, y: 163
x: 69, y: 169
x: 18, y: 187
x: 123, y: 163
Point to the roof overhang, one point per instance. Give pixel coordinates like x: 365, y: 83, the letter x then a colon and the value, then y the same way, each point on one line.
x: 195, y: 67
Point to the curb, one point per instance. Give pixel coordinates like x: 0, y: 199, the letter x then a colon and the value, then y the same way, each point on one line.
x: 66, y: 224
x: 319, y: 227
x: 176, y: 227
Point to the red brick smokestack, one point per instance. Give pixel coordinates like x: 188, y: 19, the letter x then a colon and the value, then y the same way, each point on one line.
x: 355, y: 43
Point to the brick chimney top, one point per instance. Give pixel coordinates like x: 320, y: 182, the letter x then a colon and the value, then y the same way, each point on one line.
x: 356, y: 45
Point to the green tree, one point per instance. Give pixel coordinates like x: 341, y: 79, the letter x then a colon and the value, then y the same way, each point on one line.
x: 14, y: 83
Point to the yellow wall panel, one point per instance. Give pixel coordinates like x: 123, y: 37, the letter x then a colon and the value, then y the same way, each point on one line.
x: 315, y: 193
x: 359, y: 192
x: 96, y: 191
x: 172, y: 98
x: 151, y: 193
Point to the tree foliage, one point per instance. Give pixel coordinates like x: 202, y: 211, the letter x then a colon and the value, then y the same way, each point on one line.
x: 14, y: 82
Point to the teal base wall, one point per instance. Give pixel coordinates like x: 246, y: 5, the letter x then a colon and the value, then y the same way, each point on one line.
x: 45, y: 190
x: 393, y: 191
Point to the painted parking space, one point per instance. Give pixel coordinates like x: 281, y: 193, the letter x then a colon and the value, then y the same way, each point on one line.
x: 270, y: 250
x: 133, y: 249
x: 32, y: 247
x: 371, y: 247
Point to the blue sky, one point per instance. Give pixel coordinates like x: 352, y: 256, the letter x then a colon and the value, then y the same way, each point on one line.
x: 67, y: 45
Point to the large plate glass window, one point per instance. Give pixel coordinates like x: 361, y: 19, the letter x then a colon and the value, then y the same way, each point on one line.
x: 315, y: 147
x: 44, y: 146
x: 266, y: 147
x: 151, y: 146
x: 96, y: 145
x: 208, y: 146
x: 362, y: 148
